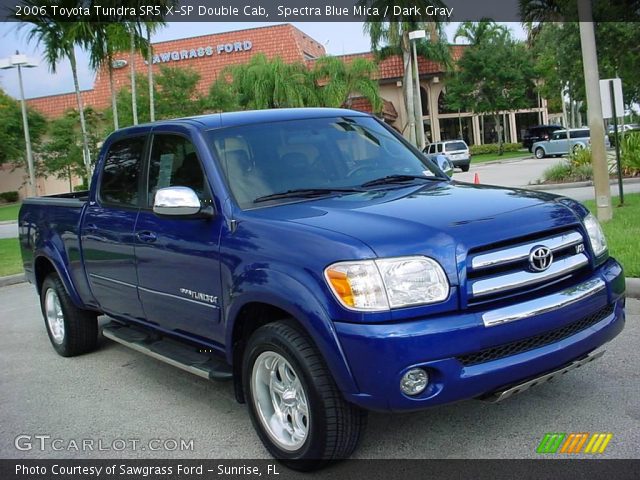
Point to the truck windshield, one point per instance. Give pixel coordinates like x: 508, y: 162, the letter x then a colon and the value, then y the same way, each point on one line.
x: 276, y: 161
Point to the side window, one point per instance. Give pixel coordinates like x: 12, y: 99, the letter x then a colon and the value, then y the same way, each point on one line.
x: 174, y: 163
x: 439, y: 146
x: 119, y: 179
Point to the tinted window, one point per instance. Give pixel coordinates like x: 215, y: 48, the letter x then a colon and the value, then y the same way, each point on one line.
x: 174, y: 163
x: 342, y: 152
x: 558, y: 135
x: 439, y: 147
x: 454, y: 146
x: 579, y: 134
x: 119, y: 181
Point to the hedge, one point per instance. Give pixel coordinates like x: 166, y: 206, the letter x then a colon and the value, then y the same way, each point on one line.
x: 9, y: 197
x: 494, y: 148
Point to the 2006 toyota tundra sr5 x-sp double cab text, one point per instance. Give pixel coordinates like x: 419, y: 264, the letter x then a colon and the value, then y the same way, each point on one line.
x: 332, y: 267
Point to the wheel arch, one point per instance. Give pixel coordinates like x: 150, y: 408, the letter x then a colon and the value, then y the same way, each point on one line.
x: 260, y: 304
x: 47, y: 262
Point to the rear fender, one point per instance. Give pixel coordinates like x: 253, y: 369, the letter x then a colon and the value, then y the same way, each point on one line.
x: 53, y: 256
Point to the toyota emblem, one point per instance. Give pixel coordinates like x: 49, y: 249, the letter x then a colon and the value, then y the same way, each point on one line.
x: 540, y: 259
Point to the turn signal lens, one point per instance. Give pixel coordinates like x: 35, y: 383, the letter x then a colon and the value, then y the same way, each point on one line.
x: 357, y: 285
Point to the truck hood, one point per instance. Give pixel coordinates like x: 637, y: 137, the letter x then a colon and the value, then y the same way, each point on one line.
x: 443, y: 220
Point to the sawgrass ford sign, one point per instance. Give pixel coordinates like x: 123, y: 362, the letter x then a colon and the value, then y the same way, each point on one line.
x: 205, y: 51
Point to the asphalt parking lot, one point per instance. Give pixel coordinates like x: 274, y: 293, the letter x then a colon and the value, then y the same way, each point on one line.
x: 116, y: 393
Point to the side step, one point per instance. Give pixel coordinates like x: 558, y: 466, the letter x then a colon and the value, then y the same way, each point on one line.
x: 181, y: 355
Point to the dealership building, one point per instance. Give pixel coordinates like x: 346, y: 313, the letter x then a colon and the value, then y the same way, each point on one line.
x: 210, y: 54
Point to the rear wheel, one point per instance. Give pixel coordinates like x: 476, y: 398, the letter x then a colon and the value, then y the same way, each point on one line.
x: 465, y: 168
x: 295, y: 405
x: 539, y: 153
x: 72, y: 331
x: 577, y: 147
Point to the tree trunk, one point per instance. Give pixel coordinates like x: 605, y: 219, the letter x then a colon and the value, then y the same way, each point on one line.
x: 496, y: 118
x: 114, y: 100
x: 83, y: 126
x: 152, y: 106
x: 132, y: 67
x: 407, y: 86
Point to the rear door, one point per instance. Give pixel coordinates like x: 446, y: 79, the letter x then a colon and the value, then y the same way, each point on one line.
x: 107, y: 231
x: 178, y: 259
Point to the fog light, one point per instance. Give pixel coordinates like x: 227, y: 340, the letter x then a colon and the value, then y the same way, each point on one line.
x: 414, y: 381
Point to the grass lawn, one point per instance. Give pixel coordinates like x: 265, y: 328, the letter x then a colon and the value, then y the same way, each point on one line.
x: 490, y: 157
x: 623, y: 233
x: 10, y: 259
x: 9, y: 212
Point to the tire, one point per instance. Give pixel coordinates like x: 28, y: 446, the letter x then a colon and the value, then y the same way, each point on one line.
x: 72, y: 331
x: 577, y: 147
x: 328, y: 427
x: 465, y: 168
x: 539, y: 153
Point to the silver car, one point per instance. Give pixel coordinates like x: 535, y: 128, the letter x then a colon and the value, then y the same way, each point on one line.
x: 457, y: 151
x: 559, y: 144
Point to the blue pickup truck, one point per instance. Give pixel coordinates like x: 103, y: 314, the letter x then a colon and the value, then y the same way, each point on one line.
x: 325, y: 266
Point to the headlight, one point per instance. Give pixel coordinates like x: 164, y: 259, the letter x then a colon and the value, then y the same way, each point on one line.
x: 377, y: 285
x: 596, y: 235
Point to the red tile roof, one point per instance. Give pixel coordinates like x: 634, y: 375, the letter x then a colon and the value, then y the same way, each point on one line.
x: 284, y: 41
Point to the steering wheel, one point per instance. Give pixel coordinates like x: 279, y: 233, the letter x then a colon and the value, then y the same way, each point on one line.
x: 357, y: 169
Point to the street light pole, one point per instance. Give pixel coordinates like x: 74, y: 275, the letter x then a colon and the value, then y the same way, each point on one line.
x: 594, y: 111
x: 27, y: 137
x: 413, y: 37
x: 18, y: 61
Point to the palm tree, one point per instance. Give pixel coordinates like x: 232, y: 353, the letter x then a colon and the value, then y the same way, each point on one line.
x: 264, y: 83
x: 391, y: 37
x: 59, y: 40
x: 477, y: 32
x: 109, y: 38
x: 339, y: 80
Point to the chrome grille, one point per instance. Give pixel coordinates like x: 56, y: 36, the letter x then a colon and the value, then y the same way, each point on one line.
x: 498, y: 272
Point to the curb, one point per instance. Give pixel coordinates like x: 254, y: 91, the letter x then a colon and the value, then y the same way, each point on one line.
x: 12, y: 280
x: 8, y: 222
x: 589, y: 183
x: 633, y: 287
x: 498, y: 162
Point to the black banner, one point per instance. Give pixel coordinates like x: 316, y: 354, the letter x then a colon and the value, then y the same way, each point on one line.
x: 348, y: 469
x: 280, y: 11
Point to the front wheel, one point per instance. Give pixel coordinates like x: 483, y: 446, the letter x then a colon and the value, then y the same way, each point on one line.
x: 72, y: 331
x: 539, y: 153
x: 295, y: 405
x: 465, y: 168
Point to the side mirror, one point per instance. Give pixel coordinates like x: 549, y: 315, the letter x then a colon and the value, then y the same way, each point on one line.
x: 443, y: 164
x: 176, y: 202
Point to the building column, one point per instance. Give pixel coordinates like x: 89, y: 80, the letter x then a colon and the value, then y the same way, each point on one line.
x: 434, y: 92
x: 475, y: 124
x: 512, y: 127
x: 545, y: 112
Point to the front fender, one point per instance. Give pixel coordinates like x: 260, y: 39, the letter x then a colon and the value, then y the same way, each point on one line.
x: 289, y: 294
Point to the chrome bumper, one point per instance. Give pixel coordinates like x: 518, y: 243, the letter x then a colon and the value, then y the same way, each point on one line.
x: 542, y: 305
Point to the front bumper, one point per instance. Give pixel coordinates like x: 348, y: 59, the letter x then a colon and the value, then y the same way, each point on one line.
x: 379, y: 355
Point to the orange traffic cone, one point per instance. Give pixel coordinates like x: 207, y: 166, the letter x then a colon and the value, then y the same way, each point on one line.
x: 476, y: 179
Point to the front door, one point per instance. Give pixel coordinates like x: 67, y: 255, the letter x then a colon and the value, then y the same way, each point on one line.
x: 107, y: 230
x: 178, y: 259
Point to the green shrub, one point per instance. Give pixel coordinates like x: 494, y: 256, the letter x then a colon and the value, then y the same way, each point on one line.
x: 81, y: 188
x: 580, y: 157
x: 567, y: 172
x: 494, y: 148
x: 630, y: 154
x: 9, y: 197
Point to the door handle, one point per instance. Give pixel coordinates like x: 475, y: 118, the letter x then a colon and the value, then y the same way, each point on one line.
x: 147, y: 237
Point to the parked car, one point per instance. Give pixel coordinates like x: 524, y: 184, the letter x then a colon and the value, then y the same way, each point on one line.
x: 559, y: 145
x: 325, y: 266
x: 537, y: 133
x: 457, y: 151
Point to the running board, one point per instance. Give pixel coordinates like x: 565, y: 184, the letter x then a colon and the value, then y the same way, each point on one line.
x: 501, y: 395
x: 181, y: 355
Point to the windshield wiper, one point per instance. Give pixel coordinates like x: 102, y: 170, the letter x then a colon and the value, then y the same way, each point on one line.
x: 397, y: 179
x: 305, y: 193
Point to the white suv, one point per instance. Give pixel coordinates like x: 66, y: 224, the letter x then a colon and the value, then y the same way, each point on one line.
x: 457, y: 151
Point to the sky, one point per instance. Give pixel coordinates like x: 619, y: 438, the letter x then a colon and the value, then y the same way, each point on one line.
x: 338, y: 39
